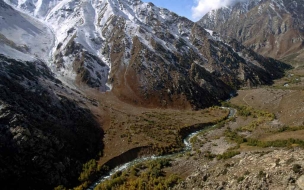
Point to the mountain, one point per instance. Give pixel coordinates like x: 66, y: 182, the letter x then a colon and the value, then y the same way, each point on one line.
x: 144, y: 54
x: 22, y: 36
x: 52, y: 52
x: 46, y: 134
x: 272, y: 28
x: 47, y: 131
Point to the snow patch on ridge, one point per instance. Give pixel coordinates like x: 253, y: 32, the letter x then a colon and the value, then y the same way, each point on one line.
x: 14, y: 54
x: 24, y: 34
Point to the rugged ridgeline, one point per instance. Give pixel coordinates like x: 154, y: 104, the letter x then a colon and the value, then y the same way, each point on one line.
x: 273, y: 28
x: 146, y: 55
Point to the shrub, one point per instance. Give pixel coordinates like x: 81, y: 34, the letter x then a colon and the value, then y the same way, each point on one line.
x: 88, y: 169
x: 90, y: 172
x: 276, y: 143
x: 227, y: 155
x: 261, y: 175
x: 149, y: 176
x: 234, y: 136
x: 240, y: 179
x: 209, y: 155
x: 297, y: 168
x: 172, y: 180
x: 60, y: 187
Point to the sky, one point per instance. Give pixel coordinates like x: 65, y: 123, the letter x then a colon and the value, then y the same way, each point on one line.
x: 192, y: 9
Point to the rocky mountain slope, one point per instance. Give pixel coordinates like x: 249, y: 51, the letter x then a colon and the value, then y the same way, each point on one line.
x: 46, y: 133
x: 272, y: 28
x: 277, y: 169
x: 145, y: 53
x: 52, y: 51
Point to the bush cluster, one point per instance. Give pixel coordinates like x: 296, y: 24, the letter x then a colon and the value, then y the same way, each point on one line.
x: 149, y: 175
x: 227, y: 155
x: 277, y: 143
x: 234, y: 136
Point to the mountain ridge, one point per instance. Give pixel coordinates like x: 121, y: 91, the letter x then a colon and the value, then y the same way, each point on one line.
x: 114, y: 45
x: 279, y: 34
x: 146, y: 56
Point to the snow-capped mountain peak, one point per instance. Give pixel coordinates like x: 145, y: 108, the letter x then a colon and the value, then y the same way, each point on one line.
x: 126, y: 45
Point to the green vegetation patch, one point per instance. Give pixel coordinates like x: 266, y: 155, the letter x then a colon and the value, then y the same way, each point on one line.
x: 227, y: 155
x: 234, y: 136
x: 247, y: 111
x: 148, y: 175
x: 288, y: 128
x: 277, y: 143
x: 90, y: 173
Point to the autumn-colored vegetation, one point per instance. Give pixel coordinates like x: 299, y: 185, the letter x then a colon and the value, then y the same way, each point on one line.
x: 148, y: 175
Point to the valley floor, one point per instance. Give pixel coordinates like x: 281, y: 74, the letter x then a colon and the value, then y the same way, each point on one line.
x: 269, y: 149
x: 261, y: 148
x: 127, y: 126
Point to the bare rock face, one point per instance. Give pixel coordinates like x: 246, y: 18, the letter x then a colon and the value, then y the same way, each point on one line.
x: 45, y: 135
x: 271, y: 28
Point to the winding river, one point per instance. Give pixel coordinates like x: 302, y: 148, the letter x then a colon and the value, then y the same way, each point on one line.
x: 187, y: 148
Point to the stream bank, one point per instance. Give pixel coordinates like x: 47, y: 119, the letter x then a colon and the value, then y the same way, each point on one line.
x: 141, y: 154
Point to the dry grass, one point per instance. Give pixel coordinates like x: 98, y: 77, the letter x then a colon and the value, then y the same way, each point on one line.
x: 127, y: 126
x: 285, y: 136
x: 286, y: 104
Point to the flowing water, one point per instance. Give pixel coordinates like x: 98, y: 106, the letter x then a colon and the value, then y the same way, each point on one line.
x: 187, y: 148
